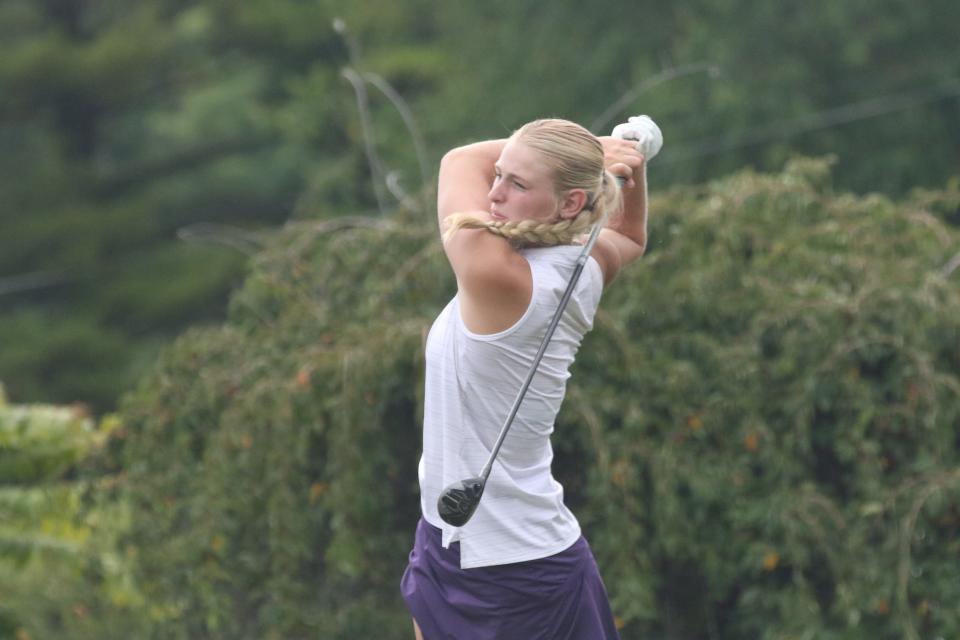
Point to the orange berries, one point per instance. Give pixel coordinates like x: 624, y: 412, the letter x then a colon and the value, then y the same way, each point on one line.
x: 303, y: 377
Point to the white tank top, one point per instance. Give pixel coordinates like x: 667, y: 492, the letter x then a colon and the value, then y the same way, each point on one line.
x: 471, y: 383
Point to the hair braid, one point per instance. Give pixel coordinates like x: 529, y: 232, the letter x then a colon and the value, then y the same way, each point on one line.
x: 525, y: 233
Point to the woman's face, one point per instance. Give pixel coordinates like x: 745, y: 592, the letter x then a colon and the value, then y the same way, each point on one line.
x: 523, y: 188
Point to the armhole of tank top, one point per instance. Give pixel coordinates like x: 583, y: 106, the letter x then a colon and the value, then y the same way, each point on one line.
x: 490, y: 337
x: 596, y: 268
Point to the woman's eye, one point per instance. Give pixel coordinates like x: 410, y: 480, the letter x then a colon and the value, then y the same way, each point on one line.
x: 519, y: 186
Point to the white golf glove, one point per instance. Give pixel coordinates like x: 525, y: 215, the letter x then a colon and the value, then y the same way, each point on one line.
x: 645, y: 131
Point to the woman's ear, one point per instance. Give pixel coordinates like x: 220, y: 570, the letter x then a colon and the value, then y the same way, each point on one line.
x: 572, y: 203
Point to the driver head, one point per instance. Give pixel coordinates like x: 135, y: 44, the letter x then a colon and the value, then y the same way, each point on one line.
x: 458, y: 501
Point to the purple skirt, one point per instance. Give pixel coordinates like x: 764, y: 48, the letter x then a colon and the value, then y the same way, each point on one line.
x: 560, y: 597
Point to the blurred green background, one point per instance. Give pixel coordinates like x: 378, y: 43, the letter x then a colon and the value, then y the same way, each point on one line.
x: 217, y: 262
x: 145, y: 144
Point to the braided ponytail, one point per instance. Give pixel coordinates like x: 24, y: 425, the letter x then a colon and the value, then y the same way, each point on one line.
x: 575, y: 157
x: 610, y: 200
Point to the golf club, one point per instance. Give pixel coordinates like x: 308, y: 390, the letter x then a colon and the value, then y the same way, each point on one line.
x: 459, y: 501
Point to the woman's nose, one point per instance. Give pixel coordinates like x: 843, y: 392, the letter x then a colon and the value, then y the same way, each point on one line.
x: 496, y: 192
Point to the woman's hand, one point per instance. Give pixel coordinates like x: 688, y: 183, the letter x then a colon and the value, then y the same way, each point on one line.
x: 621, y: 158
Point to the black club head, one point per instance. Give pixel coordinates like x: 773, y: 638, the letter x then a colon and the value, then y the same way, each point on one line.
x: 458, y: 501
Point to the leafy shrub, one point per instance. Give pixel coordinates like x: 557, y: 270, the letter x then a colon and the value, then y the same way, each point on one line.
x: 61, y: 573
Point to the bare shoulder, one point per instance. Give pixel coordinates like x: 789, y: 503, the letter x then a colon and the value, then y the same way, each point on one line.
x: 493, y: 280
x: 483, y: 261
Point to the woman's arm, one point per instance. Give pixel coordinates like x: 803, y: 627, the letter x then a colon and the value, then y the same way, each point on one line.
x: 632, y: 223
x: 625, y: 237
x: 466, y: 175
x: 493, y: 279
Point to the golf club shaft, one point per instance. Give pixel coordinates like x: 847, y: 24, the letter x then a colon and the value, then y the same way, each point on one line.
x: 574, y: 278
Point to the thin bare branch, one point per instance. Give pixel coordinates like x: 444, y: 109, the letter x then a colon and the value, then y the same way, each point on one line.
x: 398, y: 192
x: 951, y: 266
x: 637, y: 90
x: 32, y: 281
x: 376, y: 167
x: 203, y: 232
x: 407, y: 115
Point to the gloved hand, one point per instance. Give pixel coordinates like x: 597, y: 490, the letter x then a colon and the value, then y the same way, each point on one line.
x: 645, y: 131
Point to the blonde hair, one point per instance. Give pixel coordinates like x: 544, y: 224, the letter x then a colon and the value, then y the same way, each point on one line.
x: 575, y: 159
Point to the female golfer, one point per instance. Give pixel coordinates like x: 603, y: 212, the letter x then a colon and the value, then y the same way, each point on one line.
x: 512, y: 212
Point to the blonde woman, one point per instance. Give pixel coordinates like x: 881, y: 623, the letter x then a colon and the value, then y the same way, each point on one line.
x: 512, y: 213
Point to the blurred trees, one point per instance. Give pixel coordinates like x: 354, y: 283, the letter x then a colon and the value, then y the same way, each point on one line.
x: 128, y: 127
x: 145, y: 146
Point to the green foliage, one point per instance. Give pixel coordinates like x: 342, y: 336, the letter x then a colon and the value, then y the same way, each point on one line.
x: 787, y: 442
x: 265, y: 505
x: 758, y: 439
x: 61, y: 574
x: 125, y: 125
x: 39, y: 443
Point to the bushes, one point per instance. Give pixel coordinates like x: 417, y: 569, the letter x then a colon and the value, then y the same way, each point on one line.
x: 787, y: 424
x: 759, y: 437
x: 61, y: 573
